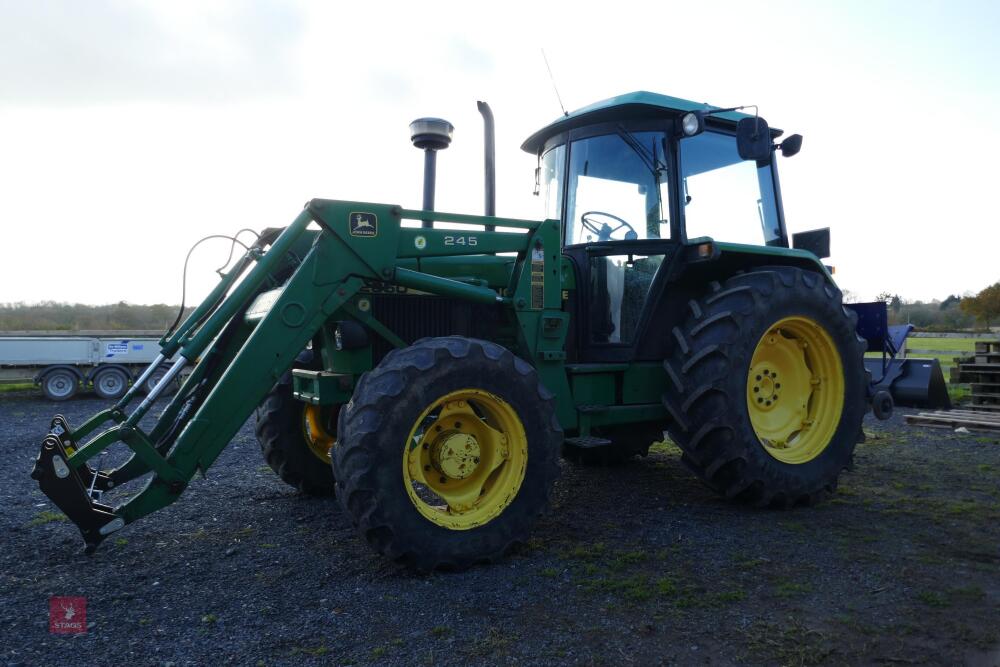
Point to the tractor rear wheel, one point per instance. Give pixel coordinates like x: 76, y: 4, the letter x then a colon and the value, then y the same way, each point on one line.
x: 447, y: 453
x: 767, y: 387
x: 296, y: 438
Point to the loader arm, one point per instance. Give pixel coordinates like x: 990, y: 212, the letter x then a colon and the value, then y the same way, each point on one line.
x: 249, y: 330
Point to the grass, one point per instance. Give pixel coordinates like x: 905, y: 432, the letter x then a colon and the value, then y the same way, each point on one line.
x: 958, y: 392
x: 586, y: 551
x: 666, y: 446
x: 786, y: 589
x: 636, y: 587
x: 932, y: 599
x: 19, y: 386
x: 315, y: 651
x: 968, y: 593
x: 786, y: 643
x: 953, y: 344
x: 493, y: 644
x: 46, y: 516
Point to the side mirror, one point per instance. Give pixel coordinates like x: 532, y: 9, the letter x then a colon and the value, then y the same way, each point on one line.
x: 816, y: 241
x: 791, y: 145
x: 753, y: 139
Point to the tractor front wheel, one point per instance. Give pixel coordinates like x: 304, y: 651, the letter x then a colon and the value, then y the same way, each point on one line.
x: 767, y: 387
x: 447, y: 453
x: 296, y: 438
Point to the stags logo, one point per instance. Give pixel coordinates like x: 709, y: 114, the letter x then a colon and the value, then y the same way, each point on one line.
x: 364, y: 224
x: 67, y: 615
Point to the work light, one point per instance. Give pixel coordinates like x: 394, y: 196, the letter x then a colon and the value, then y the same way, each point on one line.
x: 692, y: 123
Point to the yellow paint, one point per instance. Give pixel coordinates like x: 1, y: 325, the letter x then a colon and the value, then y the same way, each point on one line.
x: 795, y: 390
x: 465, y: 459
x: 315, y: 433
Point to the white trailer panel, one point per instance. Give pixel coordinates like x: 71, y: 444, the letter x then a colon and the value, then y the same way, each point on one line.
x: 46, y: 351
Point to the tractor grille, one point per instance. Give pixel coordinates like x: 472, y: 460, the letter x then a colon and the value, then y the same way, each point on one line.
x: 421, y: 316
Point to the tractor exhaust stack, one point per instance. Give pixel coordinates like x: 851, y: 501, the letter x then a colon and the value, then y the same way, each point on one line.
x: 489, y: 156
x: 431, y: 135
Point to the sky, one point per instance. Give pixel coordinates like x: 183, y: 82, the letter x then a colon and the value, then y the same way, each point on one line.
x: 130, y: 129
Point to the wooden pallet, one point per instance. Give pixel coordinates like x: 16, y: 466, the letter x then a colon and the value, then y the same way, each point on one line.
x: 981, y: 372
x: 974, y: 421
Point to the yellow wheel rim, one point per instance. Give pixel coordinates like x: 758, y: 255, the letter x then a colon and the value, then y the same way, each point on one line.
x: 465, y: 459
x: 795, y: 390
x: 315, y: 433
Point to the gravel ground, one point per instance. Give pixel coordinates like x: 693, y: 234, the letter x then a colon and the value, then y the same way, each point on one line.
x: 636, y: 564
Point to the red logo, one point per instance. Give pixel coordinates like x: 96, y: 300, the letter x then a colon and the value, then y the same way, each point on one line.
x: 67, y: 615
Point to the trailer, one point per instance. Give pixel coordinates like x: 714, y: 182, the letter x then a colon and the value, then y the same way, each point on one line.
x: 63, y: 363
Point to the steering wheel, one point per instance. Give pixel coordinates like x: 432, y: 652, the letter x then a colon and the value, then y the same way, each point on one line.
x: 604, y: 231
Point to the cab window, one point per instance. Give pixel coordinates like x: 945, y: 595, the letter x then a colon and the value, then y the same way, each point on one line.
x: 617, y: 188
x: 724, y: 196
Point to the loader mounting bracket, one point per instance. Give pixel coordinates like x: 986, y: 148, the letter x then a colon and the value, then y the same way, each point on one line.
x: 63, y: 486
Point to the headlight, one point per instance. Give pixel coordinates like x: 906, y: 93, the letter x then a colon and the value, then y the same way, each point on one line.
x: 691, y: 124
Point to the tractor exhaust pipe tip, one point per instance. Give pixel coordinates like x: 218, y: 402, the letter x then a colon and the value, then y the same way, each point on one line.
x: 430, y: 135
x: 489, y: 156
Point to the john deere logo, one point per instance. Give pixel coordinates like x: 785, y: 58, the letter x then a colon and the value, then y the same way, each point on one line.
x: 364, y: 224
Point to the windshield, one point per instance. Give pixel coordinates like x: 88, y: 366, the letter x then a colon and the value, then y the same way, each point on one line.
x: 614, y: 188
x: 726, y: 197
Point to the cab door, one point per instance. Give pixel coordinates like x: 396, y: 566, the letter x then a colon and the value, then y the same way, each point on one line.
x: 618, y: 236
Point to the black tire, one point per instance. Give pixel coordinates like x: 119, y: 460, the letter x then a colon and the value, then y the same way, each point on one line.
x: 60, y: 384
x: 627, y: 443
x: 110, y: 383
x: 279, y: 430
x: 374, y: 427
x: 708, y: 371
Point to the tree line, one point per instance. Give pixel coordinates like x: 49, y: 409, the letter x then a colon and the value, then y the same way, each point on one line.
x: 952, y: 314
x: 57, y: 316
x: 955, y: 313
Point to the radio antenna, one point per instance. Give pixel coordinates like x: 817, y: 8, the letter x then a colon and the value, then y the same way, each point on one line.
x: 554, y: 86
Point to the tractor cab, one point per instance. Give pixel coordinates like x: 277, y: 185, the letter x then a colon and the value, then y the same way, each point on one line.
x: 633, y: 180
x: 645, y: 166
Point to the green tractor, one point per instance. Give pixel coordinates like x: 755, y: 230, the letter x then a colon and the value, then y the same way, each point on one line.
x: 430, y: 373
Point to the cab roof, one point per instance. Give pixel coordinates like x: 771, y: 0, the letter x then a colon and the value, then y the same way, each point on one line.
x: 621, y: 107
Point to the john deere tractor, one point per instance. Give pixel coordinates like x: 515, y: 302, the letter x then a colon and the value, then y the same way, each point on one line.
x: 429, y: 368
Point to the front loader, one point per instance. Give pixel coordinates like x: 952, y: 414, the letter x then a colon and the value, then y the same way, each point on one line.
x: 429, y: 368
